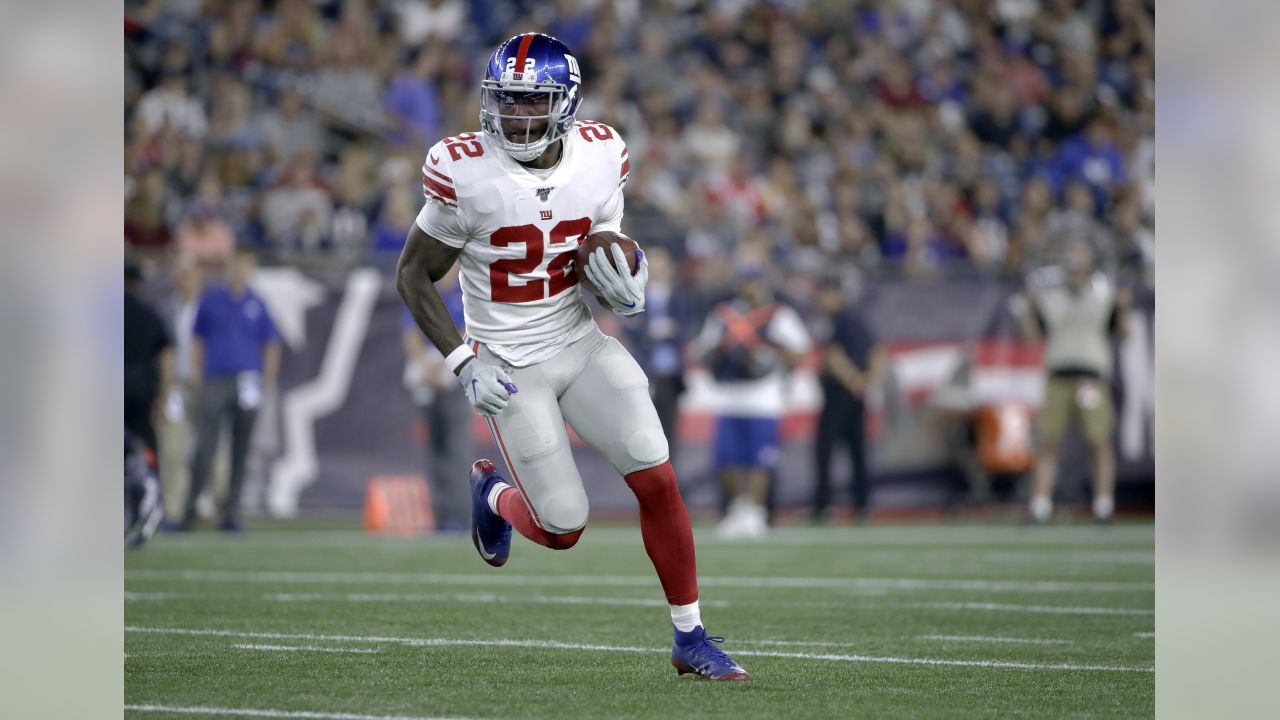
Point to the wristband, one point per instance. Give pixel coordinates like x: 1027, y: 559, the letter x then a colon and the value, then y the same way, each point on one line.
x: 458, y: 357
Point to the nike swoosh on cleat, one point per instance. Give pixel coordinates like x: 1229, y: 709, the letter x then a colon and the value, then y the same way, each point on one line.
x: 630, y: 305
x: 480, y: 547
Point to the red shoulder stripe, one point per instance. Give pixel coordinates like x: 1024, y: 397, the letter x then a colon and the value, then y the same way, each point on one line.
x: 430, y: 194
x: 428, y: 183
x: 439, y: 176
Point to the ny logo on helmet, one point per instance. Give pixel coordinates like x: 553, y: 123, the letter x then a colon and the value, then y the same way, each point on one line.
x: 543, y: 193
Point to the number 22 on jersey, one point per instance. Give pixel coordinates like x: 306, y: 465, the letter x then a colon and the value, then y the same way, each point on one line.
x: 562, y: 274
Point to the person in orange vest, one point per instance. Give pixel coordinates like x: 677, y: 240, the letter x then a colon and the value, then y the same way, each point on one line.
x: 749, y: 344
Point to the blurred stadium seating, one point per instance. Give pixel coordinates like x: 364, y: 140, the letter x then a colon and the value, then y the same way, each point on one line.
x: 932, y: 153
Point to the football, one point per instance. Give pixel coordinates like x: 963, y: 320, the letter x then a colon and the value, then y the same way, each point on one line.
x: 604, y: 240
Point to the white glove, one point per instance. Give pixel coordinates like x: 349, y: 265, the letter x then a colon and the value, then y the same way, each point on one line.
x: 623, y: 291
x: 487, y: 386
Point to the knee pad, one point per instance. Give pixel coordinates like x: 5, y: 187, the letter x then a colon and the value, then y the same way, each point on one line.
x: 647, y: 446
x: 564, y: 513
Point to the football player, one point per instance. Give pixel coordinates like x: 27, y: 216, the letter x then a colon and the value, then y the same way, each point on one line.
x: 511, y: 204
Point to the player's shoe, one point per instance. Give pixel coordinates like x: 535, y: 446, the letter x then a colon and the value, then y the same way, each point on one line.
x: 695, y: 652
x: 490, y: 533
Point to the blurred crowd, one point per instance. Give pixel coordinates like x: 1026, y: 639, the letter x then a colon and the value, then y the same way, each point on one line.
x: 912, y: 137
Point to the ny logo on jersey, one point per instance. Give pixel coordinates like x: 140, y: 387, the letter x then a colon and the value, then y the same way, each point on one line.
x: 543, y: 194
x: 544, y: 214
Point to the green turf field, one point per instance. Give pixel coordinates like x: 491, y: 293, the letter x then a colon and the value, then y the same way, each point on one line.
x: 840, y: 622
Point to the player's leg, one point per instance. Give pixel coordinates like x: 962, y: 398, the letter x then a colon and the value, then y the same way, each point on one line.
x: 215, y: 394
x: 856, y: 438
x: 764, y: 442
x: 548, y: 504
x: 608, y: 405
x: 1097, y: 420
x: 1055, y: 416
x: 824, y: 446
x: 242, y: 422
x: 733, y: 459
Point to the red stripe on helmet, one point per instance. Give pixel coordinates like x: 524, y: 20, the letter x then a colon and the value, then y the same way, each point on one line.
x: 523, y: 52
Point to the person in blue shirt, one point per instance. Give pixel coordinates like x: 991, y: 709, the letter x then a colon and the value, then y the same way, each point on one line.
x: 235, y: 358
x: 1093, y: 157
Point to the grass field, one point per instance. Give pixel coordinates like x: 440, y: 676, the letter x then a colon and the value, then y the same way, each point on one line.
x: 840, y: 622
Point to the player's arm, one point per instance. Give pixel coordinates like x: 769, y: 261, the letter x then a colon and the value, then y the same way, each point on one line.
x: 842, y: 367
x: 1023, y: 307
x: 621, y: 291
x: 423, y: 262
x: 786, y: 333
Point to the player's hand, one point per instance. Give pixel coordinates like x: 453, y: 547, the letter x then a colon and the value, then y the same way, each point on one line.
x: 488, y: 386
x: 623, y: 291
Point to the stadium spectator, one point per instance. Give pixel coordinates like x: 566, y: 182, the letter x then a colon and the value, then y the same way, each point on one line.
x: 445, y: 410
x: 296, y: 213
x: 289, y: 128
x: 852, y: 363
x: 170, y: 105
x: 147, y: 203
x: 204, y: 236
x: 148, y: 359
x: 235, y: 358
x: 1077, y: 311
x: 749, y: 343
x: 412, y: 102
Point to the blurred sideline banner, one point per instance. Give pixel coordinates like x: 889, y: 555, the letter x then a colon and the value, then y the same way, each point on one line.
x: 342, y: 414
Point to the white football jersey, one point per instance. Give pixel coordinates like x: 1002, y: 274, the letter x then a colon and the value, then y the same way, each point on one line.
x: 519, y: 231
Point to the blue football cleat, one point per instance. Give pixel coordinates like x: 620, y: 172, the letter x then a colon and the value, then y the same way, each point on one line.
x: 490, y: 533
x: 694, y: 652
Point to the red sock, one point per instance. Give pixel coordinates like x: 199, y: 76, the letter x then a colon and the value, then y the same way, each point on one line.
x: 512, y: 509
x: 668, y: 536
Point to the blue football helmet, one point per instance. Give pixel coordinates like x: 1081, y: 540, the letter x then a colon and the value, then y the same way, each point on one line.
x: 530, y: 95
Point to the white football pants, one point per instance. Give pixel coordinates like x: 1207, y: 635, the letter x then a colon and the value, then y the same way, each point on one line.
x: 598, y: 388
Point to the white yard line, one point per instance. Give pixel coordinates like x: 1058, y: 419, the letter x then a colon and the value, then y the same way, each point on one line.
x: 1144, y: 635
x: 797, y: 583
x: 496, y: 598
x: 308, y: 648
x: 479, y: 598
x: 1040, y: 609
x: 267, y: 713
x: 1101, y: 557
x: 801, y: 643
x: 994, y: 639
x: 1048, y: 538
x: 555, y: 645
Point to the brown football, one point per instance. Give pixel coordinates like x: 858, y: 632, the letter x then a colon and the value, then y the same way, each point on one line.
x: 604, y: 240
